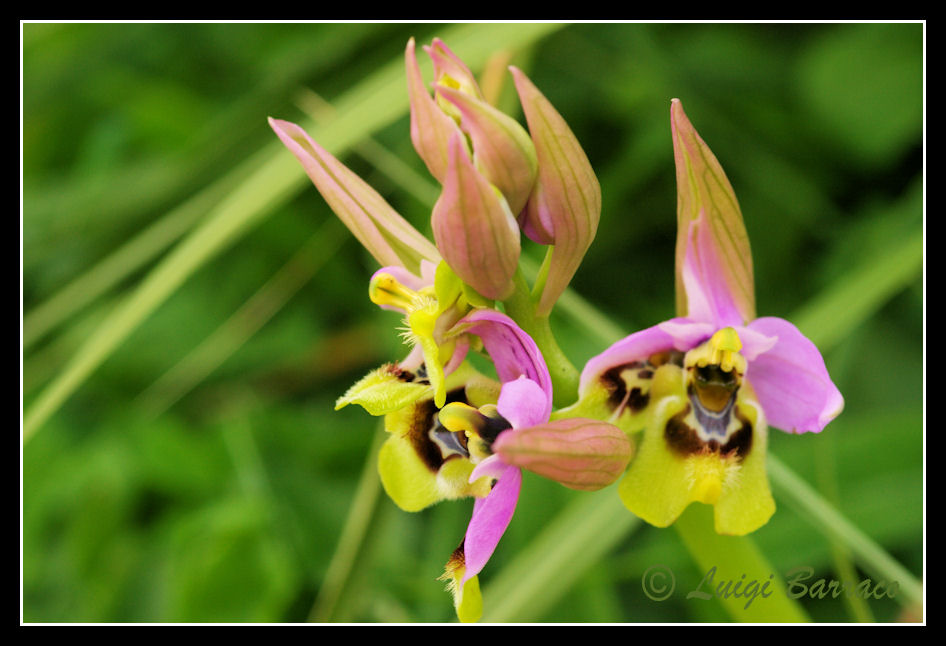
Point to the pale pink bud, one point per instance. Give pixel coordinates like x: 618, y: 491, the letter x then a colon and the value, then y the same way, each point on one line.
x: 579, y: 453
x: 473, y: 228
x: 565, y: 204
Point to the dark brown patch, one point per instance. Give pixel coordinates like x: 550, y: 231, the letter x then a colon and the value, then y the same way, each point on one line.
x: 492, y: 427
x: 741, y: 440
x: 685, y: 441
x: 680, y: 437
x: 423, y: 419
x: 617, y: 387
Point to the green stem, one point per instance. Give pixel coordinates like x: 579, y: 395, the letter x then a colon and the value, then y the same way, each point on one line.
x: 728, y: 561
x: 521, y: 308
x: 353, y: 536
x: 826, y: 519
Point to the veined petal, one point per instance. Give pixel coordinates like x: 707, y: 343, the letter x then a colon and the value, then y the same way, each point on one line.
x: 709, y: 297
x: 513, y: 352
x: 379, y: 228
x: 502, y: 148
x: 523, y: 403
x: 791, y: 380
x: 702, y: 187
x: 431, y: 127
x: 565, y: 205
x: 579, y: 453
x: 491, y: 516
x: 473, y: 228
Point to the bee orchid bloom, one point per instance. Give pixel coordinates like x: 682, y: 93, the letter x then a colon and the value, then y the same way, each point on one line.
x: 704, y: 385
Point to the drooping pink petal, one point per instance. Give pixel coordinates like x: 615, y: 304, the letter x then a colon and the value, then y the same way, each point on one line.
x: 687, y: 333
x: 709, y: 298
x: 635, y: 347
x: 379, y: 228
x: 523, y: 403
x: 491, y: 516
x: 791, y: 380
x: 473, y: 228
x: 513, y: 352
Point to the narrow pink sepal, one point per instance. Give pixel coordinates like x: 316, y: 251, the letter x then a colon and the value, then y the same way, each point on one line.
x: 635, y: 347
x: 702, y: 186
x: 565, y: 204
x: 792, y: 381
x: 491, y: 516
x: 502, y: 149
x: 431, y: 127
x: 372, y: 220
x: 708, y: 294
x: 523, y: 403
x: 512, y: 351
x: 473, y: 228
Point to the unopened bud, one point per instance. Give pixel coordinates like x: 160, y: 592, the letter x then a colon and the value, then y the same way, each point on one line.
x: 578, y: 453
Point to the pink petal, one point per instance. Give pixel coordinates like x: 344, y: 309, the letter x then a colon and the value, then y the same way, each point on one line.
x: 493, y: 467
x: 491, y: 516
x: 523, y: 403
x: 791, y: 380
x: 513, y: 352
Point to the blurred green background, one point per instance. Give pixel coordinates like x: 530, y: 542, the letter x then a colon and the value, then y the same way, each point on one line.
x: 192, y: 469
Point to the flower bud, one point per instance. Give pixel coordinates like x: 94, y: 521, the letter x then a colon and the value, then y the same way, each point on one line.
x: 501, y: 148
x: 565, y: 204
x: 474, y: 229
x: 578, y: 453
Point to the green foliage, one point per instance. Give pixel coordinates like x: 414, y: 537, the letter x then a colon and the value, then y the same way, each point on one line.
x: 220, y: 492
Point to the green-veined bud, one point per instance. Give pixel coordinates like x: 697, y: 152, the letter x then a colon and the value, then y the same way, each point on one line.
x: 474, y: 229
x: 565, y: 204
x: 579, y: 453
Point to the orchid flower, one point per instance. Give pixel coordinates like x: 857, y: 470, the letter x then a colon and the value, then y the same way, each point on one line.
x: 500, y: 439
x: 704, y: 385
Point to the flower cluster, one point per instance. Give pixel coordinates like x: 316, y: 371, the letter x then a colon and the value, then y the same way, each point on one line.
x: 690, y: 396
